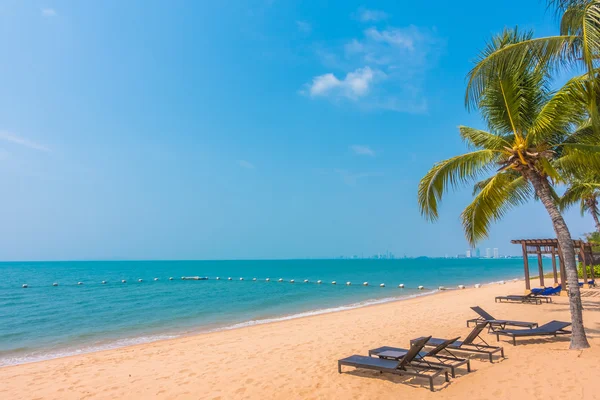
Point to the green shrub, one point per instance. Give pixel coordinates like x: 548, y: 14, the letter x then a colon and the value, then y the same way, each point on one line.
x: 580, y: 271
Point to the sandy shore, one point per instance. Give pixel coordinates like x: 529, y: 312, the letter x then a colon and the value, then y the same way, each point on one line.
x: 297, y: 359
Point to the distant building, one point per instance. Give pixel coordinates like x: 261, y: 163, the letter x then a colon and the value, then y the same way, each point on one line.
x: 496, y: 253
x: 478, y: 253
x: 488, y: 253
x: 468, y: 254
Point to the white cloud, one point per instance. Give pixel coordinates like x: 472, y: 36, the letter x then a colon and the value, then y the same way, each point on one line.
x: 351, y: 179
x: 48, y: 12
x: 15, y: 139
x: 381, y: 69
x: 355, y: 85
x: 366, y: 15
x: 394, y: 37
x: 304, y: 27
x: 362, y: 150
x: 245, y: 164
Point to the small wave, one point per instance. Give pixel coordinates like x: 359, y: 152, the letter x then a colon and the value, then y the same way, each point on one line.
x: 40, y: 355
x: 321, y: 311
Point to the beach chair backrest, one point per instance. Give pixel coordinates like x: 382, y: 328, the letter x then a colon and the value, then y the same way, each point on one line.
x: 474, y: 333
x: 482, y: 313
x: 554, y: 326
x: 441, y: 346
x: 415, y: 349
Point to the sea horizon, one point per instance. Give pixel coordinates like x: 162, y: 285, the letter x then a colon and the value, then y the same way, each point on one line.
x: 81, y: 314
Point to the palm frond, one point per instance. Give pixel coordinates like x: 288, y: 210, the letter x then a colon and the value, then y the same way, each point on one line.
x: 451, y: 173
x: 497, y: 196
x: 479, y: 139
x: 553, y: 52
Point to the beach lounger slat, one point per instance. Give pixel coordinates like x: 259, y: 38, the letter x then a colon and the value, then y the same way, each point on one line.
x: 552, y: 328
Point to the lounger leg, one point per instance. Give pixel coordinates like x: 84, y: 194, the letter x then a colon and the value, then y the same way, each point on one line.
x: 453, y: 373
x: 339, y: 367
x: 514, y: 340
x: 468, y: 365
x: 497, y: 337
x: 431, y: 384
x: 502, y: 352
x: 447, y: 379
x: 491, y: 358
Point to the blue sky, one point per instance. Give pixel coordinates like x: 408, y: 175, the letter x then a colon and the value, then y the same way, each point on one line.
x: 239, y: 129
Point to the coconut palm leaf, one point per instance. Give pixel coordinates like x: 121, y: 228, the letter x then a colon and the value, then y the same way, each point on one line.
x: 452, y: 173
x: 495, y: 198
x: 479, y: 139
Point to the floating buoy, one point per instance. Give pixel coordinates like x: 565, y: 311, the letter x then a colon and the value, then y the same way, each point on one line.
x: 55, y: 284
x: 348, y: 283
x: 306, y: 281
x: 171, y: 278
x: 183, y: 278
x: 334, y: 282
x: 292, y: 281
x: 382, y: 285
x: 319, y: 282
x: 268, y: 279
x: 401, y: 286
x: 441, y: 288
x: 253, y: 279
x: 229, y: 279
x: 280, y: 280
x: 461, y: 286
x: 365, y: 283
x: 477, y: 285
x: 241, y: 279
x: 420, y: 288
x: 155, y: 279
x: 139, y: 280
x: 103, y: 282
x: 217, y: 278
x: 80, y: 283
x: 25, y: 286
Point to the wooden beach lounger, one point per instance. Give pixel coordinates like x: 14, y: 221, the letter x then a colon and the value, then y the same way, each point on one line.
x: 468, y: 345
x: 494, y: 323
x: 530, y: 298
x: 431, y: 357
x: 552, y: 328
x: 403, y: 366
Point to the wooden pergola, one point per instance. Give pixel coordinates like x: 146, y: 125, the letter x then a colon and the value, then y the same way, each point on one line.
x: 551, y: 247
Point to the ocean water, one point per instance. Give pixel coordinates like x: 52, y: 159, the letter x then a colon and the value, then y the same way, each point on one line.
x: 45, y: 321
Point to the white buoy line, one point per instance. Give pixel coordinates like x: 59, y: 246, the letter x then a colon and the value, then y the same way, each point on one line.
x: 318, y: 282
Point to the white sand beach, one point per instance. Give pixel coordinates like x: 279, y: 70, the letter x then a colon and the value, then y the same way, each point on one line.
x: 297, y: 359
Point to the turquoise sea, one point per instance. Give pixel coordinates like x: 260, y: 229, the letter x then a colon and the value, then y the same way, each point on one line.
x: 45, y: 321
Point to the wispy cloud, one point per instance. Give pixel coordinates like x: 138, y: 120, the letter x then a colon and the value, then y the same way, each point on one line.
x: 304, y: 27
x: 366, y: 15
x: 351, y: 178
x: 362, y: 150
x: 354, y: 85
x: 48, y: 12
x: 383, y: 68
x: 15, y: 139
x: 245, y: 164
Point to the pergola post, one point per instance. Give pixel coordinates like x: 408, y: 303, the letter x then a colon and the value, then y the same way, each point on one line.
x: 540, y: 266
x: 526, y: 266
x: 591, y: 254
x: 555, y: 273
x: 583, y: 263
x: 563, y: 270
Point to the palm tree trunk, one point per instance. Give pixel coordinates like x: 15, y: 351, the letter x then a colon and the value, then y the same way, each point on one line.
x: 593, y: 207
x: 543, y: 190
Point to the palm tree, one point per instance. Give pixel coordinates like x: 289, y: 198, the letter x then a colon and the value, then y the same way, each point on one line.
x: 585, y: 191
x: 535, y: 136
x: 577, y: 46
